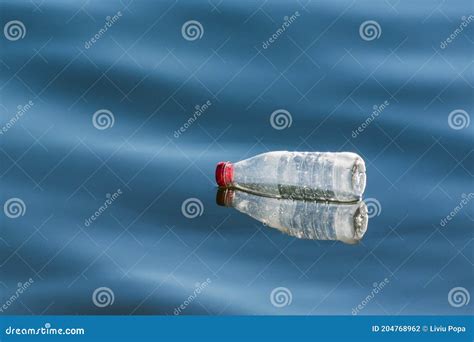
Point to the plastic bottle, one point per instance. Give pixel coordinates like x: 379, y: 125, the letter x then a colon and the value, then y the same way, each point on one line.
x: 315, y: 220
x: 302, y: 175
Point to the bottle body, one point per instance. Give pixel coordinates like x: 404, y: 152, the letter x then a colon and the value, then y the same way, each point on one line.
x: 302, y: 175
x: 346, y: 222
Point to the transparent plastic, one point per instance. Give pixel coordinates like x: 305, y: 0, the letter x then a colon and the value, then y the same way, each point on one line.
x: 303, y: 175
x: 315, y: 220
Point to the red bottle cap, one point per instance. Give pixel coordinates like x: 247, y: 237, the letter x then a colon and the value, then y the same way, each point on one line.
x: 224, y: 174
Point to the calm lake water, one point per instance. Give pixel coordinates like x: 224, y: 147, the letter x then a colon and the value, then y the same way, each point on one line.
x: 106, y: 222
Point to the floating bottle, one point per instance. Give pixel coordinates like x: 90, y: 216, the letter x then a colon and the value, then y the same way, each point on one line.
x: 301, y: 175
x: 315, y: 220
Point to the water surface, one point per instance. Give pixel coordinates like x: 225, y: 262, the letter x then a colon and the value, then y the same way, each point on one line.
x: 320, y: 70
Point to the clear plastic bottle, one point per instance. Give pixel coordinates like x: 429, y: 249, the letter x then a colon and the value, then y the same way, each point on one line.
x: 315, y: 220
x: 301, y: 175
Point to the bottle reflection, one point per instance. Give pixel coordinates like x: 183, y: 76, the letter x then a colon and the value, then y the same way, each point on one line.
x: 346, y: 222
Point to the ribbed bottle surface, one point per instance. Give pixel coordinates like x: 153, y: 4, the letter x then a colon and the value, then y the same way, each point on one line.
x: 303, y: 175
x: 306, y: 219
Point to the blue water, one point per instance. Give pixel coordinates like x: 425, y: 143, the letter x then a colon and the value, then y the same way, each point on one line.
x: 150, y: 78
